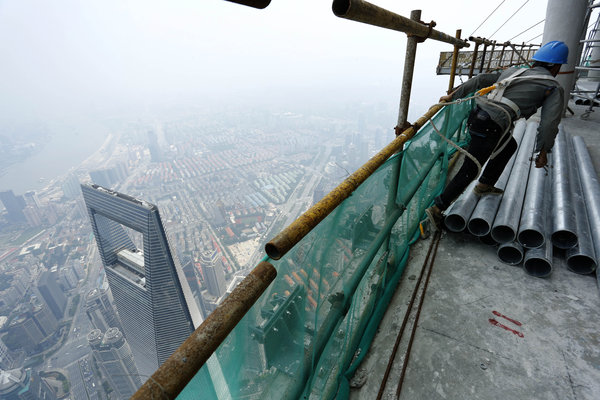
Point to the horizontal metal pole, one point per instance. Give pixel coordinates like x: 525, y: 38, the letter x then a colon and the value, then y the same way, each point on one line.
x: 175, y: 373
x: 480, y: 40
x: 367, y: 13
x: 294, y: 232
x: 588, y: 68
x: 252, y: 3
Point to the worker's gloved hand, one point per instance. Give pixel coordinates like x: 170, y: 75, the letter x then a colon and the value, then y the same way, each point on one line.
x: 445, y: 99
x: 541, y: 160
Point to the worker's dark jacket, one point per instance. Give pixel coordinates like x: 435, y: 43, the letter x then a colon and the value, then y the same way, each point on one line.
x: 528, y: 95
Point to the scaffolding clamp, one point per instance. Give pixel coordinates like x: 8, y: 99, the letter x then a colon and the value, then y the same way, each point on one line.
x: 421, y: 39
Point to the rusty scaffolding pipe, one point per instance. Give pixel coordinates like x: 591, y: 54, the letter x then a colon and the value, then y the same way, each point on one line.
x: 294, y: 232
x: 407, y: 78
x: 474, y: 60
x: 501, y: 59
x: 454, y: 62
x: 175, y: 373
x: 491, y: 56
x: 367, y: 13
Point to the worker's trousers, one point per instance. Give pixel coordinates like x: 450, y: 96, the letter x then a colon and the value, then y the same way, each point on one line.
x: 485, y: 135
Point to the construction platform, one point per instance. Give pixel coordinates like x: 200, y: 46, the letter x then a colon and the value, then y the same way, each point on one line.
x: 487, y: 330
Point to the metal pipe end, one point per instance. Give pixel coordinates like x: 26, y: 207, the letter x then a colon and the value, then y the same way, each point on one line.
x: 340, y: 7
x: 538, y: 267
x: 564, y: 239
x: 479, y: 227
x: 455, y: 223
x: 531, y: 238
x: 273, y: 251
x: 581, y: 264
x: 503, y: 234
x: 510, y: 254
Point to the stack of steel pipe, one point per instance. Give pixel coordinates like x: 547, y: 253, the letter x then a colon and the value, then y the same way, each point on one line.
x: 506, y: 223
x: 538, y: 211
x: 480, y: 222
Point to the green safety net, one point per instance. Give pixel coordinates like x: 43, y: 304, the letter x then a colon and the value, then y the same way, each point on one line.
x: 309, y: 331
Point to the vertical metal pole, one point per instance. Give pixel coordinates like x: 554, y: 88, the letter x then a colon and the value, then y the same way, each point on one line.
x: 409, y: 67
x: 501, y: 59
x: 473, y: 60
x: 512, y: 54
x: 485, y: 45
x: 491, y: 56
x: 529, y: 51
x: 454, y: 61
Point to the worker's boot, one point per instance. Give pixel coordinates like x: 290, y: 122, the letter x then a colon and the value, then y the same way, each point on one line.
x: 435, y: 217
x: 482, y: 189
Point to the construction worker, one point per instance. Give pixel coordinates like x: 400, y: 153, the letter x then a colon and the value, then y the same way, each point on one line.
x: 517, y: 92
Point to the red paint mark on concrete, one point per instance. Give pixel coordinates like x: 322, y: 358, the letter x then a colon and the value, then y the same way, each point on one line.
x: 496, y: 323
x: 514, y: 321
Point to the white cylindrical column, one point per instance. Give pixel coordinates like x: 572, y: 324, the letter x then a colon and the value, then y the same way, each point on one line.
x: 565, y: 22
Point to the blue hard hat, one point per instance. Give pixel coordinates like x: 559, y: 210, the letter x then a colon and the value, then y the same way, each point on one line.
x: 554, y: 52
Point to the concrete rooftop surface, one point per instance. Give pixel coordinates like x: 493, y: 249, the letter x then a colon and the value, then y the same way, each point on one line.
x: 487, y: 330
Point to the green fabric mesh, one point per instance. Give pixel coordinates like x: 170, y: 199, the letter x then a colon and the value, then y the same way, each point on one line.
x: 309, y: 331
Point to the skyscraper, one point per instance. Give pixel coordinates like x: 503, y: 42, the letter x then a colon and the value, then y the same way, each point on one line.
x: 212, y: 269
x: 114, y: 356
x: 44, y: 318
x: 155, y: 154
x: 52, y: 294
x: 14, y: 206
x: 6, y: 359
x: 70, y: 186
x: 151, y: 295
x: 100, y: 311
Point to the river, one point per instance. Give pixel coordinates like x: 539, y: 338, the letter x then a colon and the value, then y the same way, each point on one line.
x: 70, y: 144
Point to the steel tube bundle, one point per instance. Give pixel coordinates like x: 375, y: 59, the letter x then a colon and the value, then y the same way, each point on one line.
x: 480, y: 223
x: 506, y: 224
x: 510, y: 253
x: 532, y: 227
x: 590, y: 196
x: 564, y: 230
x: 458, y: 215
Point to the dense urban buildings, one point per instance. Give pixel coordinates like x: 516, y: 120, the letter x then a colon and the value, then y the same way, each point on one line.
x: 147, y: 286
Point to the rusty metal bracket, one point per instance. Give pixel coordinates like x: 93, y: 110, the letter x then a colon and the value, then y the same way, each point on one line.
x: 421, y: 39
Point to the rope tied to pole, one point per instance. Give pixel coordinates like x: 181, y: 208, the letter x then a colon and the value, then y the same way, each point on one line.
x: 421, y: 39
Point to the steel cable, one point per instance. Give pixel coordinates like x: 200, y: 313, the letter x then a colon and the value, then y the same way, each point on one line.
x: 509, y: 18
x: 486, y: 18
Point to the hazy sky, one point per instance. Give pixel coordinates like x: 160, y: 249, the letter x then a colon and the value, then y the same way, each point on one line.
x: 67, y: 57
